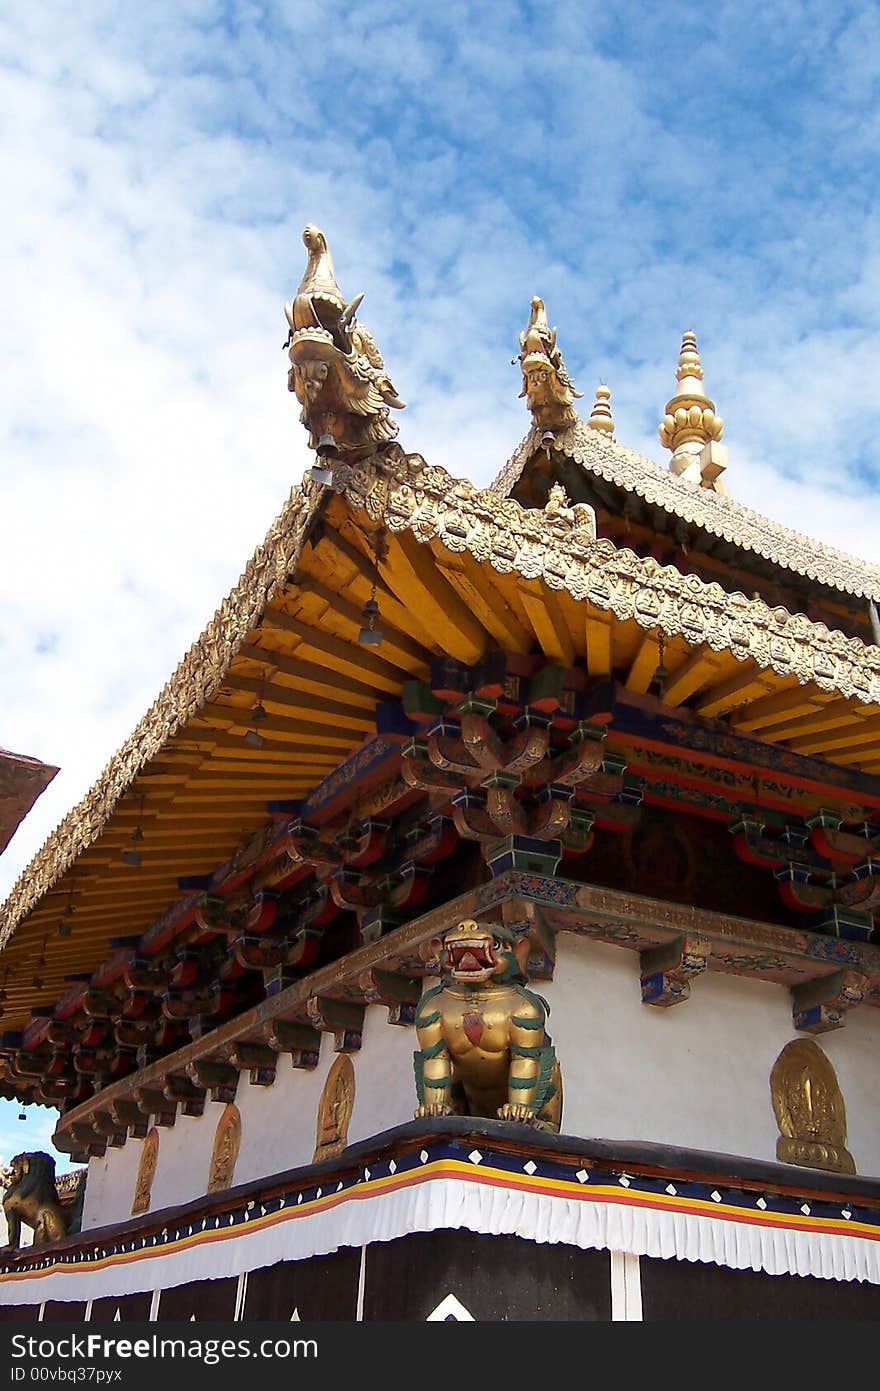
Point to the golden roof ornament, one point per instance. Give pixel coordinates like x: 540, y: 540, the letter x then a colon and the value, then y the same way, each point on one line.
x: 600, y: 417
x: 690, y: 427
x: 547, y: 387
x: 336, y: 369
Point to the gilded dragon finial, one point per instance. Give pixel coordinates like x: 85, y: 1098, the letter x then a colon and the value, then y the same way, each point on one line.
x: 547, y: 387
x: 690, y: 427
x: 336, y: 369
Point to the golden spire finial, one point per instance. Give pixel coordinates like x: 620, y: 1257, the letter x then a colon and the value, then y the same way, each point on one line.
x: 690, y: 427
x: 600, y: 416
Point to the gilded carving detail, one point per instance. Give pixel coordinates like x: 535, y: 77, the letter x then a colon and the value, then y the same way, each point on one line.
x: 334, y: 1110
x: 146, y: 1173
x: 227, y: 1142
x: 559, y: 547
x: 809, y: 1109
x: 719, y: 515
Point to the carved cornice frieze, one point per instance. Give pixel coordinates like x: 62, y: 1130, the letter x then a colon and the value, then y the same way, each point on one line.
x: 558, y: 548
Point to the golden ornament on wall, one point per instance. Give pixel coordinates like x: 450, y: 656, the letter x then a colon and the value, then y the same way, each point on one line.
x: 334, y: 1109
x: 809, y: 1109
x: 146, y: 1173
x: 227, y: 1142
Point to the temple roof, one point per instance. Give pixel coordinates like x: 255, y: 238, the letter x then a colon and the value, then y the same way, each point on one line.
x: 380, y: 565
x: 712, y: 512
x: 465, y: 570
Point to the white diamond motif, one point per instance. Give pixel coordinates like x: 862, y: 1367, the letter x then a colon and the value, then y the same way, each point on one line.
x: 845, y: 1212
x: 392, y: 1167
x: 761, y: 1203
x: 475, y: 1157
x: 671, y: 1189
x: 582, y: 1176
x: 530, y: 1168
x: 805, y: 1209
x: 450, y: 1310
x: 424, y: 1156
x: 623, y: 1181
x: 715, y: 1196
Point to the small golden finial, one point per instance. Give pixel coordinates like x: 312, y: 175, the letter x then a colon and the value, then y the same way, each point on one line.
x: 690, y: 427
x: 600, y: 416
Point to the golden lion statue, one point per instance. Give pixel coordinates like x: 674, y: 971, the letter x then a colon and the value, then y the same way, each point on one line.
x: 484, y: 1047
x: 31, y: 1197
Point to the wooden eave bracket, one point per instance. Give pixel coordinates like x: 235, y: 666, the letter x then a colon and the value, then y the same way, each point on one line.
x: 818, y: 1006
x: 666, y: 971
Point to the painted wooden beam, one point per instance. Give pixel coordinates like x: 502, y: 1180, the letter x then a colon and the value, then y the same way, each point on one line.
x: 599, y: 629
x: 837, y: 714
x: 318, y: 680
x: 339, y: 655
x: 400, y: 646
x: 410, y: 571
x: 860, y: 732
x: 545, y: 615
x: 643, y: 666
x: 237, y: 718
x: 694, y: 673
x: 739, y: 689
x: 321, y: 708
x: 488, y: 604
x: 789, y: 702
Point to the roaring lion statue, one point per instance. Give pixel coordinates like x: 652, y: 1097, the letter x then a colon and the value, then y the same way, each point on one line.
x: 484, y: 1046
x: 31, y: 1197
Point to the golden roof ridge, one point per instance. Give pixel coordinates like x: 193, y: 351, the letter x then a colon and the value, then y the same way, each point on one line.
x: 714, y: 512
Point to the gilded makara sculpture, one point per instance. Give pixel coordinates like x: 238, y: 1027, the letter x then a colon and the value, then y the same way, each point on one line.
x: 809, y: 1109
x: 484, y: 1048
x: 549, y: 390
x: 336, y: 369
x: 32, y: 1198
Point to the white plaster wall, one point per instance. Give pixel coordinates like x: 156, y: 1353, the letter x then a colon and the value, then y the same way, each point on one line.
x: 278, y: 1124
x: 695, y: 1075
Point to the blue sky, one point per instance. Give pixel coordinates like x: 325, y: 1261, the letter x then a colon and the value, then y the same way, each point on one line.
x: 646, y: 169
